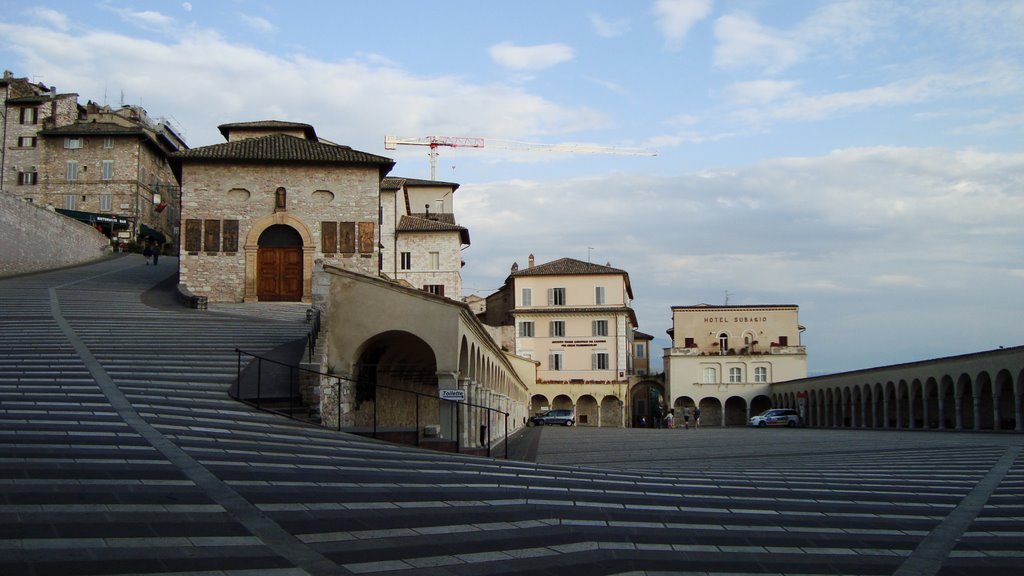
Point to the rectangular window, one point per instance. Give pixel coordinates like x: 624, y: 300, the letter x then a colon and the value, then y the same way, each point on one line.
x: 347, y: 237
x: 735, y: 375
x: 599, y: 328
x: 761, y: 374
x: 71, y: 173
x: 366, y: 237
x: 783, y: 340
x: 69, y: 202
x: 526, y: 329
x: 599, y: 361
x: 435, y: 260
x: 406, y: 260
x: 689, y: 343
x: 328, y: 237
x: 555, y: 361
x: 108, y: 170
x: 599, y: 295
x: 29, y: 115
x: 74, y: 142
x: 211, y: 235
x: 558, y: 328
x: 26, y: 141
x: 106, y: 202
x: 527, y: 298
x: 230, y: 234
x: 28, y: 178
x: 108, y: 142
x: 710, y: 375
x: 193, y: 235
x: 437, y: 289
x: 639, y: 350
x: 556, y: 296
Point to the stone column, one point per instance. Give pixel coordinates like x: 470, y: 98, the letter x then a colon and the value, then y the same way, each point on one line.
x: 942, y: 410
x: 995, y: 409
x: 977, y: 411
x: 910, y: 413
x: 864, y: 412
x: 1018, y: 412
x: 885, y: 412
x: 723, y: 415
x: 446, y: 414
x: 924, y: 412
x: 465, y: 384
x: 899, y: 411
x: 958, y: 406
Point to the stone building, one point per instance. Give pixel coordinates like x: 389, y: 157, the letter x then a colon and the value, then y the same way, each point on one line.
x: 725, y: 358
x: 574, y: 319
x: 422, y: 248
x: 259, y: 209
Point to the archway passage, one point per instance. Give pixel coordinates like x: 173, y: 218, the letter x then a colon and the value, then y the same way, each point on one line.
x: 279, y: 265
x: 647, y: 399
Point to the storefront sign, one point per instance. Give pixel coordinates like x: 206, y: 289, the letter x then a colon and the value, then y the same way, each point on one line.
x: 453, y: 395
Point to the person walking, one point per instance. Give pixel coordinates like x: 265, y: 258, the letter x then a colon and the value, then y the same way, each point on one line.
x: 156, y: 254
x: 670, y: 419
x: 696, y: 417
x: 686, y: 417
x: 148, y: 253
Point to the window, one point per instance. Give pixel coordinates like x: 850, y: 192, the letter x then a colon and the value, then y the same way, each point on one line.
x: 783, y: 340
x: 599, y: 361
x: 710, y: 375
x: 735, y: 375
x: 280, y: 199
x: 28, y: 178
x: 71, y: 173
x: 723, y: 343
x: 435, y: 260
x: 598, y: 295
x: 74, y: 142
x: 527, y: 297
x: 106, y: 202
x: 526, y: 329
x: 26, y: 141
x: 761, y: 374
x: 108, y: 142
x: 599, y: 327
x: 689, y: 343
x: 556, y: 296
x: 29, y: 115
x: 558, y: 328
x: 69, y: 202
x: 640, y: 350
x: 555, y: 361
x: 108, y: 170
x: 437, y: 289
x: 406, y: 260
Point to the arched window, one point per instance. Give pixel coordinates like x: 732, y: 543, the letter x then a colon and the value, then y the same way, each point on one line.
x: 280, y: 199
x: 723, y: 343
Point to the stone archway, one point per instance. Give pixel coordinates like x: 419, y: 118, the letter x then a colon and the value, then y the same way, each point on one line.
x: 395, y: 382
x: 252, y: 254
x: 644, y: 397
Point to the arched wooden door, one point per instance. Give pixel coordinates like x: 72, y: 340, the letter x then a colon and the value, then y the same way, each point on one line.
x: 279, y: 265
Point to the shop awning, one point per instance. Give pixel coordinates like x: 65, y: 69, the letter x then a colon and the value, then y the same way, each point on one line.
x: 152, y: 234
x: 115, y: 222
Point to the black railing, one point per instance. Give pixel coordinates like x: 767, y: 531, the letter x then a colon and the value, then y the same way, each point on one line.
x: 313, y: 317
x: 274, y: 386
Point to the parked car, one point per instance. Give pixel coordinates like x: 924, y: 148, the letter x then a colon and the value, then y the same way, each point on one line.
x: 776, y: 417
x: 563, y: 417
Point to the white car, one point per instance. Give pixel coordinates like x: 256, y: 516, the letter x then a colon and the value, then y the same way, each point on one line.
x: 776, y: 417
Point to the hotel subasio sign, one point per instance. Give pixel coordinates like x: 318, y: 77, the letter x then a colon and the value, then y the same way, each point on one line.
x: 735, y: 319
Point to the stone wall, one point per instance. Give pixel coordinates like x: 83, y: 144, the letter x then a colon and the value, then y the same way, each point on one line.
x: 33, y: 238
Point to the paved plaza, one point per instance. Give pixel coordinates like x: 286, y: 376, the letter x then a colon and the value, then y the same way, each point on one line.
x: 121, y: 453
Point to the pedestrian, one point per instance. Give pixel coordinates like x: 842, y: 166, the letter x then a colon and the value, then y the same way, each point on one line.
x: 148, y: 253
x: 670, y: 419
x: 686, y: 417
x: 696, y: 417
x: 156, y: 253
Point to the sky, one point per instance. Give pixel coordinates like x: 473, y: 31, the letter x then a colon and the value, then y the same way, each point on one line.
x: 863, y: 160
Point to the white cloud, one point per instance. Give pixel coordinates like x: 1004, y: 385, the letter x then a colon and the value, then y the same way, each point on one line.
x: 52, y: 17
x: 186, y: 6
x: 744, y: 42
x: 759, y: 91
x: 257, y: 23
x: 676, y: 17
x: 535, y: 57
x: 148, y: 19
x: 608, y: 28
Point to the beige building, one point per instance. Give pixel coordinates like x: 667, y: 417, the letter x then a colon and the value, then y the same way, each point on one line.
x: 421, y: 244
x: 574, y: 319
x: 724, y: 359
x: 261, y: 208
x: 642, y: 353
x: 107, y: 167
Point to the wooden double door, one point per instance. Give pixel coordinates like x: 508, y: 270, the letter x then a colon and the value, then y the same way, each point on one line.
x: 279, y: 276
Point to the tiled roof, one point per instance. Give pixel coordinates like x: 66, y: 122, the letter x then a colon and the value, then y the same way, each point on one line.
x: 435, y: 223
x: 283, y: 148
x: 307, y: 129
x: 395, y: 183
x: 638, y: 335
x: 94, y: 128
x: 567, y: 266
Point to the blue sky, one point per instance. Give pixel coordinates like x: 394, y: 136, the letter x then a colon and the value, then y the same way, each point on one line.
x: 862, y: 160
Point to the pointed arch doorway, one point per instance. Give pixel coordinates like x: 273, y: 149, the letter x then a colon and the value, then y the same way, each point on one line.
x: 279, y: 264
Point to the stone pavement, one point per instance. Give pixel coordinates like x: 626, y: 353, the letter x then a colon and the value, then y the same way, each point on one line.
x: 121, y: 453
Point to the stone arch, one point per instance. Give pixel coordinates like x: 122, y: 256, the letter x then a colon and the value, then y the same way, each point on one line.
x: 1006, y: 414
x: 947, y: 404
x: 251, y: 249
x: 611, y: 411
x: 711, y: 411
x: 930, y: 415
x: 586, y: 410
x: 642, y: 398
x: 735, y: 411
x: 965, y: 402
x: 984, y: 403
x: 562, y: 402
x: 759, y: 404
x: 392, y: 369
x: 538, y: 404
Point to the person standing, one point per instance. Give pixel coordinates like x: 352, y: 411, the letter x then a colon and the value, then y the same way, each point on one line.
x: 696, y: 417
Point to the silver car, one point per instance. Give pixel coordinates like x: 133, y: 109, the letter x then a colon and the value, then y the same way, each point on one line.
x: 776, y: 417
x: 563, y: 417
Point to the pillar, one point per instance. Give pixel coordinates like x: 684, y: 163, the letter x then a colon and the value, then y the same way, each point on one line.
x: 958, y: 404
x: 995, y: 409
x: 447, y: 381
x: 1018, y: 412
x: 977, y: 411
x: 885, y: 412
x: 942, y: 409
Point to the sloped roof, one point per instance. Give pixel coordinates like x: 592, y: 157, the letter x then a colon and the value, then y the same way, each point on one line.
x: 307, y: 129
x: 638, y: 335
x: 434, y: 223
x: 571, y: 267
x: 94, y: 128
x: 281, y: 148
x: 396, y: 183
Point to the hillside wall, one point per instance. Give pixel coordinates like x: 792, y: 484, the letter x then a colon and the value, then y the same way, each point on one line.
x: 34, y: 238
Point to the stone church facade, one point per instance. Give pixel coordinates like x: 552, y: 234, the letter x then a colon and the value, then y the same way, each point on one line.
x: 258, y: 211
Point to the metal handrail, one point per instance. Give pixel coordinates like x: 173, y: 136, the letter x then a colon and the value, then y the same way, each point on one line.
x: 259, y: 401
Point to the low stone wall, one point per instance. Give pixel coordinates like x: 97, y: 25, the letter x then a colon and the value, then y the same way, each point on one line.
x: 34, y: 238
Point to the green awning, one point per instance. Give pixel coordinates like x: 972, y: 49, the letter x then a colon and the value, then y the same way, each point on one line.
x: 115, y: 222
x: 152, y: 234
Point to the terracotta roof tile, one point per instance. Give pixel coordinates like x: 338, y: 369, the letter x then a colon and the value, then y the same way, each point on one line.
x: 283, y: 148
x: 567, y: 266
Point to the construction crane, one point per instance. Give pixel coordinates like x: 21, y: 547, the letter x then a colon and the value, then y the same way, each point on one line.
x: 435, y: 142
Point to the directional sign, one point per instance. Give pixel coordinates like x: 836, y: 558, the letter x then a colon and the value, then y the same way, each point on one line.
x: 454, y: 395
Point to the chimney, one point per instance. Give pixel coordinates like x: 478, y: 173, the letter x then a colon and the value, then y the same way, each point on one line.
x: 530, y: 261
